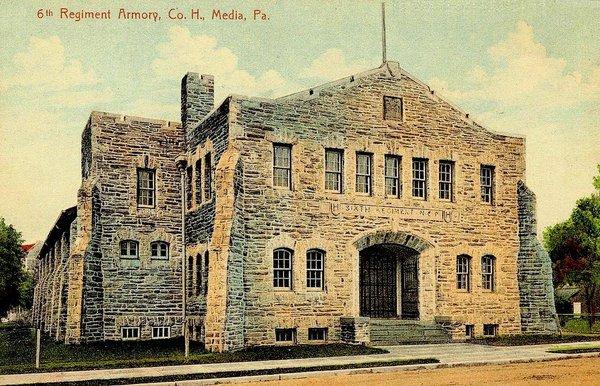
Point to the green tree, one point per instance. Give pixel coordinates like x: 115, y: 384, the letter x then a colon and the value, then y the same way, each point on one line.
x: 26, y: 291
x: 11, y: 270
x: 574, y: 247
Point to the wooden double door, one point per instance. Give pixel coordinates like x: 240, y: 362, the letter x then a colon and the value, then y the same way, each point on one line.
x: 381, y: 271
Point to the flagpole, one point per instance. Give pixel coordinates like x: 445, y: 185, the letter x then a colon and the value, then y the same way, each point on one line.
x: 383, y: 43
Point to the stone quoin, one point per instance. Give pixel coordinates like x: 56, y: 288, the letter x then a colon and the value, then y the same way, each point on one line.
x: 366, y: 210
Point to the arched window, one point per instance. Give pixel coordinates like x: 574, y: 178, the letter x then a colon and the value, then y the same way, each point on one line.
x: 129, y: 249
x: 190, y: 276
x: 159, y: 250
x: 463, y: 272
x: 282, y: 268
x: 488, y: 271
x: 206, y: 261
x: 315, y: 268
x: 199, y: 274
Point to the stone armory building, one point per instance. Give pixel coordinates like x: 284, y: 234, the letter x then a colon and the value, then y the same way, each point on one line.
x: 367, y: 209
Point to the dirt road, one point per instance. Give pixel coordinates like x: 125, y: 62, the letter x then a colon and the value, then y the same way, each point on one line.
x: 583, y: 371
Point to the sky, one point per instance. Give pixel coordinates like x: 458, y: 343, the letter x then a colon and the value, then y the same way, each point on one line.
x: 529, y: 67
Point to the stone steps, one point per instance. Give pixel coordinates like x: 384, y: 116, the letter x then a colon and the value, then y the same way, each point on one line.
x: 397, y: 331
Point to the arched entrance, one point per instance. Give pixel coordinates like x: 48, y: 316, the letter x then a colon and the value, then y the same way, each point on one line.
x: 389, y: 282
x: 389, y: 274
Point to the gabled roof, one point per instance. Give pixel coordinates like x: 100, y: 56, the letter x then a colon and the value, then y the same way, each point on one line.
x: 64, y: 220
x: 393, y: 69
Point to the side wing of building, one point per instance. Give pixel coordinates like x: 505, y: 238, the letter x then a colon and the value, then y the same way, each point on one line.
x: 123, y: 268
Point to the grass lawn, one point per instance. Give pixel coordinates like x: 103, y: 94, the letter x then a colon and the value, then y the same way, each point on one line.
x: 576, y: 348
x: 522, y: 340
x: 17, y: 353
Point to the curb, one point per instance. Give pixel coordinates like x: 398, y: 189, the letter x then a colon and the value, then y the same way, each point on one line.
x: 357, y: 371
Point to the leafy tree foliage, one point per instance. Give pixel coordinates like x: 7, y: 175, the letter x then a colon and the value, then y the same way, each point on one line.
x: 574, y: 247
x: 26, y: 291
x: 11, y: 270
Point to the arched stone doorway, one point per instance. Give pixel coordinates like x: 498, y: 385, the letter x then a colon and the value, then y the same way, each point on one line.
x: 388, y: 277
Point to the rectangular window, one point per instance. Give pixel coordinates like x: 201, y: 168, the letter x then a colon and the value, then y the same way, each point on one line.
x: 208, y: 174
x: 162, y: 332
x: 317, y: 333
x: 419, y: 180
x: 363, y: 172
x: 487, y: 184
x: 188, y: 187
x: 490, y: 329
x: 282, y: 165
x: 130, y: 333
x: 487, y: 272
x: 334, y: 169
x: 146, y: 192
x: 446, y: 180
x: 393, y: 108
x: 315, y: 263
x: 463, y: 267
x: 392, y: 176
x: 285, y: 334
x: 198, y: 182
x: 469, y: 330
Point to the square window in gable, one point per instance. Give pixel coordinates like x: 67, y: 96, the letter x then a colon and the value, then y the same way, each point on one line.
x: 393, y: 108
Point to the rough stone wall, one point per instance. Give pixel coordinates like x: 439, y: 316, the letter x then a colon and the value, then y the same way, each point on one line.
x: 349, y: 116
x: 538, y: 312
x: 75, y: 267
x: 147, y: 291
x: 197, y: 99
x: 93, y: 285
x: 224, y: 322
x: 49, y: 307
x: 355, y: 330
x: 205, y: 230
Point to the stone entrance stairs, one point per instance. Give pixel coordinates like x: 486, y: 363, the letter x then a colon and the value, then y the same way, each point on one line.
x: 397, y: 331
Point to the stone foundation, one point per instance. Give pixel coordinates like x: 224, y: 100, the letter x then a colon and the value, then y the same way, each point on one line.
x: 355, y: 330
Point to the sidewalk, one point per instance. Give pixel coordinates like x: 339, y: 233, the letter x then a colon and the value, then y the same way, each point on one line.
x: 448, y: 354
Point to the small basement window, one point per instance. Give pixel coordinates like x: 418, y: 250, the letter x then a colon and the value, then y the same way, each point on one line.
x: 130, y: 333
x: 490, y: 329
x: 317, y: 333
x: 285, y: 334
x: 469, y: 330
x: 161, y: 332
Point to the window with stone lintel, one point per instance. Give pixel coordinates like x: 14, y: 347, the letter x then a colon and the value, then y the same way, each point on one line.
x: 146, y: 187
x: 159, y: 250
x: 487, y: 272
x: 282, y: 268
x: 282, y: 165
x: 487, y: 183
x: 463, y: 272
x: 129, y: 249
x: 364, y: 170
x: 419, y: 178
x: 393, y: 184
x: 334, y: 169
x: 315, y: 269
x: 446, y: 180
